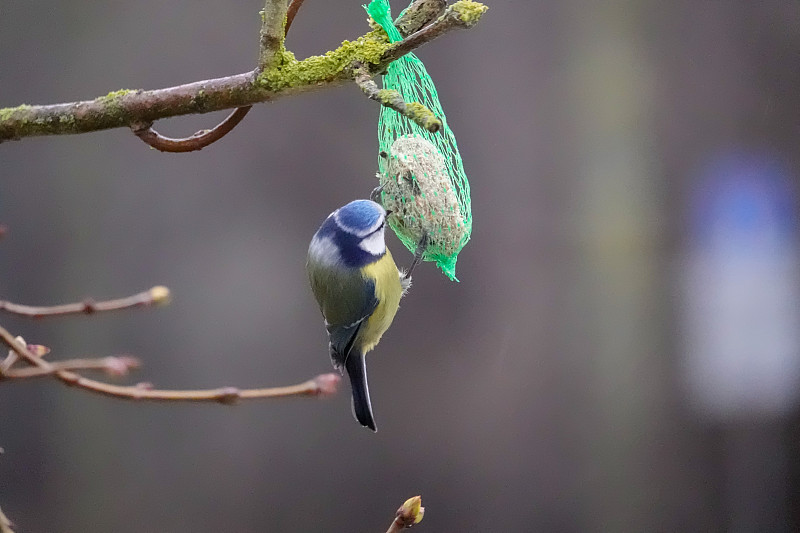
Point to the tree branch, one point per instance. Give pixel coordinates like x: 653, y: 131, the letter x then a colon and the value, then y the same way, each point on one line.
x: 273, y: 23
x: 37, y: 349
x: 5, y: 524
x: 322, y: 385
x: 158, y: 295
x: 427, y: 10
x: 112, y: 365
x: 287, y: 77
x: 394, y: 100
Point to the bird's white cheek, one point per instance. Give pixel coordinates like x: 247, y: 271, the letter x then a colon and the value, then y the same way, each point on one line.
x: 373, y: 244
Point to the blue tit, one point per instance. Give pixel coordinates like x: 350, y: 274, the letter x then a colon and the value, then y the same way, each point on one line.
x: 358, y: 288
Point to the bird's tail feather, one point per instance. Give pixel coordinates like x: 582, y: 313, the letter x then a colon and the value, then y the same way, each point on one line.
x: 356, y: 366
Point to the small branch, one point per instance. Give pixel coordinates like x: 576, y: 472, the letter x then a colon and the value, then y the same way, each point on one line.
x: 112, y: 365
x: 394, y: 100
x: 21, y: 349
x: 273, y: 32
x: 125, y: 108
x: 10, y: 359
x: 410, y: 513
x: 291, y: 12
x: 5, y: 524
x: 322, y: 385
x: 158, y: 295
x: 198, y: 141
x: 462, y: 14
x: 36, y: 349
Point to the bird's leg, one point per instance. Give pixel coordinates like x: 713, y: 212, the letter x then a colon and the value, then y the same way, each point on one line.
x: 375, y: 196
x: 421, y: 247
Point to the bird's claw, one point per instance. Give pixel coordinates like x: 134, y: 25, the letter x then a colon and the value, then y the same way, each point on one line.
x: 422, y: 246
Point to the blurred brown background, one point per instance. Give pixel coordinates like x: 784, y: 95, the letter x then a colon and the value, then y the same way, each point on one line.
x: 545, y: 392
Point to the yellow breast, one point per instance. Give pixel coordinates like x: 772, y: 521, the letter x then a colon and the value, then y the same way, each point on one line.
x: 388, y: 292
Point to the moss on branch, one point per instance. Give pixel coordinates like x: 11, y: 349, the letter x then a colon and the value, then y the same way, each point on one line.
x: 468, y: 11
x: 284, y: 75
x: 288, y: 72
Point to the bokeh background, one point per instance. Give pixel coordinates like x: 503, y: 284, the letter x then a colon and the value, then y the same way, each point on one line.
x: 621, y: 353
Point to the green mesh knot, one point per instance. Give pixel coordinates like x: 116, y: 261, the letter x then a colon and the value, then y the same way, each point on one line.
x: 421, y: 173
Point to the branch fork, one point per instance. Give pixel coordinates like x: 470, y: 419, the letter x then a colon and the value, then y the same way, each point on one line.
x: 422, y: 22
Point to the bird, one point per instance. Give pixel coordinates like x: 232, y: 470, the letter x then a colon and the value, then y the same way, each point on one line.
x: 358, y: 288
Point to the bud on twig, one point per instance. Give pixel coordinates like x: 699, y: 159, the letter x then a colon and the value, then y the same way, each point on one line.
x: 160, y: 295
x: 410, y: 513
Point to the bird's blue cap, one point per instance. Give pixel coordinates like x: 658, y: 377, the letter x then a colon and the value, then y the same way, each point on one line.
x: 359, y: 217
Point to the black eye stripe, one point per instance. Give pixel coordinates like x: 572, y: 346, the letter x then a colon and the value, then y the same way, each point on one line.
x: 383, y: 224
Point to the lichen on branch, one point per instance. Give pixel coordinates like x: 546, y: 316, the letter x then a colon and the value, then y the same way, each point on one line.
x: 469, y: 12
x: 333, y: 66
x: 283, y: 76
x: 392, y: 99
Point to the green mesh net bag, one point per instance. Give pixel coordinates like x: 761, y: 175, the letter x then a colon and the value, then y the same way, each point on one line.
x: 421, y: 174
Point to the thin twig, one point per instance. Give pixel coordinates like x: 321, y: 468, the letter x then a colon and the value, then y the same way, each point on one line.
x: 410, y: 513
x: 198, y: 141
x: 322, y: 385
x: 124, y: 108
x: 36, y: 349
x: 394, y: 100
x: 8, y: 362
x: 113, y: 365
x: 21, y: 349
x: 291, y: 12
x: 158, y: 295
x: 5, y: 524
